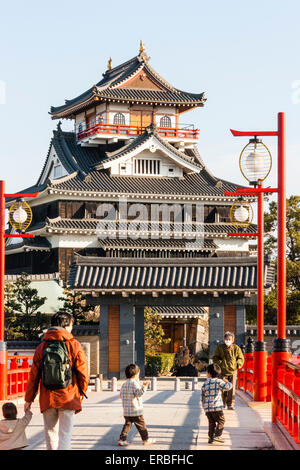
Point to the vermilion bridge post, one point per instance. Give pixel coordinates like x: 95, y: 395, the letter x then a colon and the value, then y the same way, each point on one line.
x: 281, y: 349
x: 3, y: 235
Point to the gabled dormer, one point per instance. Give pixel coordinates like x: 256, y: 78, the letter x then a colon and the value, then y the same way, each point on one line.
x: 130, y: 97
x: 149, y: 155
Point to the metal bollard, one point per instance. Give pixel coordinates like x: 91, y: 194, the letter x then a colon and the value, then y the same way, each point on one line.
x: 153, y: 384
x: 195, y: 384
x: 177, y: 385
x: 97, y: 384
x: 114, y: 384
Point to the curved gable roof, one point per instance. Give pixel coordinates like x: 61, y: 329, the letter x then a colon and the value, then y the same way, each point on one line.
x: 111, y: 86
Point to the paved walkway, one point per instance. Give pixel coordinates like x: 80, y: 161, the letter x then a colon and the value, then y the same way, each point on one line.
x: 174, y: 419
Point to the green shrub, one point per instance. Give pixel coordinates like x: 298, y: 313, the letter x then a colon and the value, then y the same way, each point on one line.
x: 159, y: 364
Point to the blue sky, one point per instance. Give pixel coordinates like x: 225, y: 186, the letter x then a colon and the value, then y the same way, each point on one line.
x: 244, y: 56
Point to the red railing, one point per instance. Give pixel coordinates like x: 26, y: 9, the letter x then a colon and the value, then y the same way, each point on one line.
x: 18, y: 375
x: 288, y: 397
x: 121, y: 129
x: 245, y: 376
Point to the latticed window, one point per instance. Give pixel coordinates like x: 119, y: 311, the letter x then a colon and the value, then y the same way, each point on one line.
x: 119, y: 118
x: 165, y: 121
x: 146, y: 167
x: 57, y: 169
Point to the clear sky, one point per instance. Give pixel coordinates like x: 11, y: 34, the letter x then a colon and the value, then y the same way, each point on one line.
x: 244, y: 56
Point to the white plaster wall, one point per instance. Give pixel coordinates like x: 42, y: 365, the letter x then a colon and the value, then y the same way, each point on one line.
x: 80, y: 119
x: 165, y: 110
x: 100, y: 108
x: 74, y: 241
x: 165, y: 165
x: 231, y: 245
x: 119, y: 107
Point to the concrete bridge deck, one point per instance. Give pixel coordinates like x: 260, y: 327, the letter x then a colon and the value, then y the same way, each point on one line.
x: 174, y: 419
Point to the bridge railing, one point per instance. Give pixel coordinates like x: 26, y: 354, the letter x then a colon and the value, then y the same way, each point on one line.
x: 288, y: 397
x: 245, y: 376
x: 18, y: 375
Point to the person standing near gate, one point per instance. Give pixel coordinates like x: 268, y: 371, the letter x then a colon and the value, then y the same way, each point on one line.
x: 60, y: 368
x: 230, y: 358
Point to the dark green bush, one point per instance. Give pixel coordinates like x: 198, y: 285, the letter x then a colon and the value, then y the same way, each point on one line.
x: 159, y: 364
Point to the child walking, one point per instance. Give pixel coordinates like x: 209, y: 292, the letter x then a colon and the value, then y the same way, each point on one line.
x: 12, y: 430
x: 131, y: 395
x: 212, y: 402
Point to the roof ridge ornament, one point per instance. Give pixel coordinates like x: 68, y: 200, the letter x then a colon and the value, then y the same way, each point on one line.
x: 152, y: 128
x: 142, y: 57
x: 109, y: 64
x: 142, y: 47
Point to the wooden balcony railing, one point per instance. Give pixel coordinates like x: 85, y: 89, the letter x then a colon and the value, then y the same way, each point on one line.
x: 123, y: 130
x: 18, y: 375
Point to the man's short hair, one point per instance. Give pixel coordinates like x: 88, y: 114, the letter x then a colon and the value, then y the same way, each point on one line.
x: 229, y: 333
x: 131, y: 370
x: 9, y: 410
x: 214, y: 370
x: 62, y: 319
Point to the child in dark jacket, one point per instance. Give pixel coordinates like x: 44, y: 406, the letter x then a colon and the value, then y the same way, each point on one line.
x: 211, y: 396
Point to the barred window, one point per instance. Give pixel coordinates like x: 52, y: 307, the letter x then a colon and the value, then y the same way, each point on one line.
x: 119, y: 118
x: 146, y: 167
x: 165, y: 121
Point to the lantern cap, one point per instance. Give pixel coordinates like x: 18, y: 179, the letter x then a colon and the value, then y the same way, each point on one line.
x: 255, y: 140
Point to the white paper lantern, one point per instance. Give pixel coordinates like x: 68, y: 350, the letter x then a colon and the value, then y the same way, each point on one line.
x: 255, y: 161
x: 20, y: 215
x: 241, y: 214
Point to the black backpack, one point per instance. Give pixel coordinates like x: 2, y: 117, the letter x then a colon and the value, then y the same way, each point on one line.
x: 56, y: 371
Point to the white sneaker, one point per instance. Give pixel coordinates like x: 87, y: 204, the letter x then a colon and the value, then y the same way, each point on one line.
x: 123, y: 443
x: 149, y: 442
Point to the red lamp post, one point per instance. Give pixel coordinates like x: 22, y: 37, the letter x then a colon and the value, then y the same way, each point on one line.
x: 3, y: 235
x: 281, y: 349
x: 260, y: 353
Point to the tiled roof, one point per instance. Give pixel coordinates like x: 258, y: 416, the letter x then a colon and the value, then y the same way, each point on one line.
x: 153, y: 96
x: 84, y: 177
x: 193, y: 184
x: 180, y: 311
x: 155, y: 244
x: 92, y: 273
x: 96, y: 226
x: 108, y: 89
x: 74, y: 157
x: 29, y: 244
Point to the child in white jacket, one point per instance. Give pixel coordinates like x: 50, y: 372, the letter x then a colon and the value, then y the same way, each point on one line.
x: 12, y: 429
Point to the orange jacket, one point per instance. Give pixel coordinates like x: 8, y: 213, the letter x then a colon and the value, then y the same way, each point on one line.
x: 68, y: 398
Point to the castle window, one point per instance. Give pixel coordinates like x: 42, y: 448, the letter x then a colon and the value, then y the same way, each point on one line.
x: 165, y: 121
x: 146, y: 167
x: 119, y: 118
x: 57, y: 168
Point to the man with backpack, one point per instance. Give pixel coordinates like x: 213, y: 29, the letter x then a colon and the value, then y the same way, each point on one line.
x: 60, y: 368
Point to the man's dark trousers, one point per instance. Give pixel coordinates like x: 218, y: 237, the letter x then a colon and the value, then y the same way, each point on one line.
x: 229, y: 395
